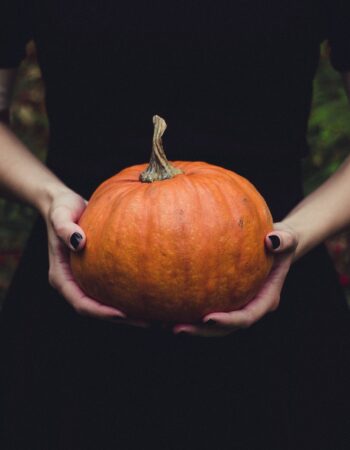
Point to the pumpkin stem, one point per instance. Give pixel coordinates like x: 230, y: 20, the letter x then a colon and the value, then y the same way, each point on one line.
x: 159, y: 167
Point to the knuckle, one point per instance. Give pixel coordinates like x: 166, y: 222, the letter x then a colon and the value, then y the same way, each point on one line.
x: 60, y: 230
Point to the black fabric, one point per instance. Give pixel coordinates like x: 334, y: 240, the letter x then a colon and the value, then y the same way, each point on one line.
x: 77, y: 383
x: 339, y: 35
x: 233, y: 80
x: 16, y: 31
x: 216, y: 53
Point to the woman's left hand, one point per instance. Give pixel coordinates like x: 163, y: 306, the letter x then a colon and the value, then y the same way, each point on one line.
x: 282, y: 242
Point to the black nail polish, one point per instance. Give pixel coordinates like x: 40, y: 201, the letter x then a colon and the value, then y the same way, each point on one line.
x: 211, y: 322
x: 275, y: 241
x: 75, y: 240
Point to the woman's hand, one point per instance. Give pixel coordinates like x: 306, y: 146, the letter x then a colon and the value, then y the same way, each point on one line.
x: 282, y: 242
x: 64, y: 235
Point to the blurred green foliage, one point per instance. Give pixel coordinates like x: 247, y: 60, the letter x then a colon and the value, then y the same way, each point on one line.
x: 329, y: 136
x: 329, y: 126
x: 30, y: 123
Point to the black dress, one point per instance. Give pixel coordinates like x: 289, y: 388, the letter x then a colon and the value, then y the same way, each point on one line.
x: 233, y: 79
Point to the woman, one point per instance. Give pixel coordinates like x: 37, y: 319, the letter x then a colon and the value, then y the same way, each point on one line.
x: 234, y: 82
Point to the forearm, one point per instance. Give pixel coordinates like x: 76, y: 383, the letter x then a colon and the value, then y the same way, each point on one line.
x: 323, y: 213
x: 23, y: 176
x: 326, y: 211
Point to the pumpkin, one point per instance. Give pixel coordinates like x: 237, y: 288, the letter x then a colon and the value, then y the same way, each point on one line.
x: 172, y: 242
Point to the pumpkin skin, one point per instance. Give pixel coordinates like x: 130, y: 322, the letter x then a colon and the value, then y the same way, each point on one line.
x: 177, y: 249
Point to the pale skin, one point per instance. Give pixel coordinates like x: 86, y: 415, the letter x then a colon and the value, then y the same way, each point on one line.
x: 25, y: 178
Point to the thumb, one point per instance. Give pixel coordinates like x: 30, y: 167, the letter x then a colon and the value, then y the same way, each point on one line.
x: 281, y: 241
x: 66, y: 229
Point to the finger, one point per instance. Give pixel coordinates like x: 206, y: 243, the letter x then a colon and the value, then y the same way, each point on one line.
x: 281, y: 241
x: 61, y: 278
x: 201, y: 330
x: 85, y: 305
x: 88, y: 306
x: 265, y: 301
x: 66, y: 229
x: 134, y: 323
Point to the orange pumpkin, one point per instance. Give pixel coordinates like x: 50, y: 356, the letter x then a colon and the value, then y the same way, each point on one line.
x: 173, y: 242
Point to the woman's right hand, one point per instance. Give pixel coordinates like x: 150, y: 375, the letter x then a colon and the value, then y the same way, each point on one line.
x: 64, y: 236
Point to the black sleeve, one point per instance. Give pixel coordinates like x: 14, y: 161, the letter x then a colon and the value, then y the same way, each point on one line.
x: 339, y: 34
x: 15, y: 32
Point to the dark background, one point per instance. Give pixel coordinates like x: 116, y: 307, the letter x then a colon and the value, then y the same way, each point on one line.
x: 328, y: 135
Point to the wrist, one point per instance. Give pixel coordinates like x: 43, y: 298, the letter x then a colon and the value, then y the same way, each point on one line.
x: 47, y: 195
x: 307, y: 236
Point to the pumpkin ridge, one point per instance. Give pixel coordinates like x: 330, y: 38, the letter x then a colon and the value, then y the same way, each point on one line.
x: 177, y: 248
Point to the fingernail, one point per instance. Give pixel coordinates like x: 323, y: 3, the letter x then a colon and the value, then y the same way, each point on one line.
x: 211, y: 322
x: 75, y: 240
x: 275, y: 241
